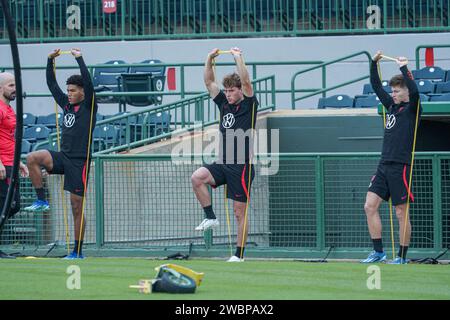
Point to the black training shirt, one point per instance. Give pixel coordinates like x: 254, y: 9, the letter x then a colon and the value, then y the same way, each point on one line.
x: 400, y: 118
x: 234, y: 124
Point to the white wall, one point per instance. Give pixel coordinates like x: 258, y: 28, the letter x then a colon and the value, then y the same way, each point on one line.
x: 255, y: 49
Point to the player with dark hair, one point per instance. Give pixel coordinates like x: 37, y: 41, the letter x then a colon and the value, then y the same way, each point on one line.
x: 71, y: 161
x: 391, y: 179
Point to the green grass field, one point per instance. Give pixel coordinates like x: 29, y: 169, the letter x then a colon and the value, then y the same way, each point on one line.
x: 108, y: 278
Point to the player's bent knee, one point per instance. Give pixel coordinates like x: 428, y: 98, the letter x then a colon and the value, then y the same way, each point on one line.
x: 200, y: 176
x: 370, y: 208
x: 31, y: 158
x: 195, y: 179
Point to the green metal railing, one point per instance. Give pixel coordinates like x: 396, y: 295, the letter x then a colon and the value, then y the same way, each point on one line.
x: 76, y: 20
x: 324, y: 89
x: 425, y: 46
x: 144, y: 204
x: 182, y: 69
x: 142, y: 127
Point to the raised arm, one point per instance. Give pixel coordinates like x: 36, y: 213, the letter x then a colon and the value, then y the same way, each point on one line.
x: 375, y: 81
x: 208, y: 74
x: 88, y: 86
x: 414, y: 94
x: 247, y: 87
x: 59, y: 96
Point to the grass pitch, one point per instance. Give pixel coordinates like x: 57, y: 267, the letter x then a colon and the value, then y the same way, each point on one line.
x: 109, y: 278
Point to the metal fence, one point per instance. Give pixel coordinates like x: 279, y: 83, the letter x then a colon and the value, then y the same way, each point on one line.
x: 144, y: 204
x: 76, y: 20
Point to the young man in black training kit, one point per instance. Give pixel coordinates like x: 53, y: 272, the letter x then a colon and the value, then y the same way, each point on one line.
x: 391, y: 179
x: 72, y: 159
x: 238, y: 107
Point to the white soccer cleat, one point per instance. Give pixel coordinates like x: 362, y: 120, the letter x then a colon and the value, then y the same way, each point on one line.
x: 235, y: 259
x: 207, y: 224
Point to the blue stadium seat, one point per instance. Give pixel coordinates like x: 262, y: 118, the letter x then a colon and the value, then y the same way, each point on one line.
x: 36, y: 133
x: 442, y: 87
x: 424, y: 97
x: 135, y: 82
x: 369, y: 101
x: 104, y: 137
x: 106, y: 79
x: 442, y: 97
x: 158, y: 77
x: 425, y: 86
x: 29, y: 119
x: 367, y: 89
x: 49, y: 120
x: 159, y: 123
x: 429, y: 73
x: 336, y: 101
x: 151, y: 68
x: 121, y: 122
x: 99, y: 117
x: 45, y: 146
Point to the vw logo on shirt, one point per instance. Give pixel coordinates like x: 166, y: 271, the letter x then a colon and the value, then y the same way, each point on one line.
x: 228, y: 120
x: 69, y: 120
x: 390, y: 121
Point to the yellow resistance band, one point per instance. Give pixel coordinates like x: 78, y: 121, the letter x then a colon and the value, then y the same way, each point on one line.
x: 248, y: 183
x: 66, y: 220
x: 87, y: 172
x: 411, y: 171
x: 391, y: 219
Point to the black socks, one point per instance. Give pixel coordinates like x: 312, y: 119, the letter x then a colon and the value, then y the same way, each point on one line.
x: 377, y: 245
x: 40, y: 194
x: 209, y: 212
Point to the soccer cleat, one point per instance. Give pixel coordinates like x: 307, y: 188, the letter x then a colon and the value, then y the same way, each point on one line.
x: 73, y: 256
x: 38, y: 206
x: 207, y: 224
x: 375, y: 257
x: 399, y: 260
x: 235, y: 259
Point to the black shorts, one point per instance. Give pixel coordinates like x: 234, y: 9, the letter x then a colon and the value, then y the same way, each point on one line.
x: 74, y: 171
x: 391, y: 181
x: 235, y: 176
x: 4, y: 185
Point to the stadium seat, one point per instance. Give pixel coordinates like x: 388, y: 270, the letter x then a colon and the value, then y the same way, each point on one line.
x: 336, y: 101
x: 45, y: 146
x: 49, y: 120
x: 36, y: 133
x: 123, y: 121
x: 26, y: 146
x: 442, y: 97
x: 367, y: 89
x: 106, y: 79
x: 157, y: 73
x: 104, y: 137
x: 442, y: 87
x: 424, y: 97
x: 156, y: 124
x: 369, y: 101
x: 99, y: 117
x: 429, y: 73
x: 135, y: 82
x: 29, y: 119
x: 425, y: 86
x: 159, y: 123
